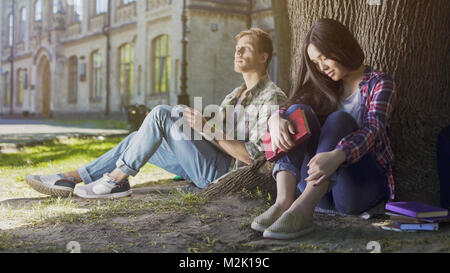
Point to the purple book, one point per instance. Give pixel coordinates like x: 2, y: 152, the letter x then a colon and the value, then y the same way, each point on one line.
x: 416, y: 209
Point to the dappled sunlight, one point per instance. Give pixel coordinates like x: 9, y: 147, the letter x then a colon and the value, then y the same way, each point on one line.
x: 39, y: 212
x: 21, y: 206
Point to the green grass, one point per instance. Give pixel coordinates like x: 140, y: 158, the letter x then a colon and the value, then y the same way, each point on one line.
x: 90, y: 123
x: 30, y: 207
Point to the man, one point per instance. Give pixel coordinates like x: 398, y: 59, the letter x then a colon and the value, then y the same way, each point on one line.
x: 160, y: 142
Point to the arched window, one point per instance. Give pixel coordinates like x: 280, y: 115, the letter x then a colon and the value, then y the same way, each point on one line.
x: 101, y: 6
x: 20, y: 87
x: 77, y: 11
x: 55, y: 6
x: 126, y: 73
x: 161, y: 64
x: 7, y: 89
x: 38, y: 10
x: 72, y: 94
x: 23, y: 20
x: 96, y: 76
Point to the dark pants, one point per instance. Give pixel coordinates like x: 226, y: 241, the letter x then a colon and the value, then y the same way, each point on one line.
x: 355, y: 188
x: 443, y: 160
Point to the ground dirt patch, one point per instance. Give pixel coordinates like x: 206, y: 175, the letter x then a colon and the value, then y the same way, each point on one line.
x: 162, y: 218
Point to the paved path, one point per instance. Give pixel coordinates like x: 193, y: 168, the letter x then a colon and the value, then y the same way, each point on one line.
x: 17, y: 132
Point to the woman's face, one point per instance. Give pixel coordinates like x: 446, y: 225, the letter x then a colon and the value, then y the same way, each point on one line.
x: 329, y: 67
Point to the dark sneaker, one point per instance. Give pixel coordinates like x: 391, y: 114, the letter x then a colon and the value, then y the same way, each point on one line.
x: 53, y: 185
x: 104, y: 188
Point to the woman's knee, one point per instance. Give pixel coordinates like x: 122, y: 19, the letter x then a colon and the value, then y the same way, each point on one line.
x: 342, y: 120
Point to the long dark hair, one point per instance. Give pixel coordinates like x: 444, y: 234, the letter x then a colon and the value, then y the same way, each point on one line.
x: 314, y: 88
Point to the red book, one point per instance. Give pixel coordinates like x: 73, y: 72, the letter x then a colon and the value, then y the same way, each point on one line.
x: 298, y: 119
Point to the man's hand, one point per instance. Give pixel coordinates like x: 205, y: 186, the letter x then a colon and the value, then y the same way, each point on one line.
x: 323, y: 165
x: 194, y: 118
x: 280, y: 133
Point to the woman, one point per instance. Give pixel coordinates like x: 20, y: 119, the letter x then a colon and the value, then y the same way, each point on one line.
x: 346, y: 165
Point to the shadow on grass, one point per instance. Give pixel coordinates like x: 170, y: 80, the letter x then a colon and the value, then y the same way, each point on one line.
x: 57, y: 151
x: 16, y: 203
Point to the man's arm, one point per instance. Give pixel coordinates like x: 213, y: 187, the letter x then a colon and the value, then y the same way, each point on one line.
x: 234, y: 148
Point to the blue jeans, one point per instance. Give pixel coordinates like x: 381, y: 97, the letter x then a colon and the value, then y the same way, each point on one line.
x: 161, y: 143
x: 354, y: 188
x: 443, y: 160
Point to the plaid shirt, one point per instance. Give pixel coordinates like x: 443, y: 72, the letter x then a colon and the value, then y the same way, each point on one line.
x: 252, y: 111
x: 377, y: 90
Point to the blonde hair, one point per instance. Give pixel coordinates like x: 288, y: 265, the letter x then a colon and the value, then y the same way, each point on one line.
x: 264, y: 41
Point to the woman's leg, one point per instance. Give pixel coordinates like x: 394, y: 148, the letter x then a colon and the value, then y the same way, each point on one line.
x: 286, y: 172
x: 354, y: 188
x: 287, y: 169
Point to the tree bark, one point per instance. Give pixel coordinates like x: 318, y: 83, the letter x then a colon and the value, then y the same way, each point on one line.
x: 256, y: 176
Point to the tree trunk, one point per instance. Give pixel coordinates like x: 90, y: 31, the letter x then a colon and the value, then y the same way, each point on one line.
x: 409, y: 39
x: 256, y: 176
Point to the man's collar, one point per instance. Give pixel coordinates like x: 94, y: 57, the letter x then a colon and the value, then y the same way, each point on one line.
x: 258, y: 87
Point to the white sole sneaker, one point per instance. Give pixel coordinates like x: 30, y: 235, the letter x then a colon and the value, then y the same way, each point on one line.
x: 52, y: 190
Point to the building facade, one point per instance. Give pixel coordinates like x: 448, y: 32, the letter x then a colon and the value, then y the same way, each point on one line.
x: 91, y: 57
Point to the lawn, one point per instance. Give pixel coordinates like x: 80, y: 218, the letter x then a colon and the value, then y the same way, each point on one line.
x: 89, y: 123
x: 50, y: 158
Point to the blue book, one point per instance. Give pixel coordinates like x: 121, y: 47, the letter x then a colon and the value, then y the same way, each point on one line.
x: 426, y: 226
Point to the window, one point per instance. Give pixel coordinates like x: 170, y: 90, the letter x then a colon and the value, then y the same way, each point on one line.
x: 55, y: 6
x: 101, y: 6
x: 23, y: 19
x: 73, y: 80
x: 7, y: 89
x: 77, y: 10
x: 161, y: 64
x: 38, y: 10
x: 10, y: 29
x: 126, y: 2
x: 20, y: 87
x: 126, y: 73
x: 96, y: 76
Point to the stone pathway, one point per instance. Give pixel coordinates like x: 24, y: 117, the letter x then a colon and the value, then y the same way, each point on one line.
x: 15, y: 133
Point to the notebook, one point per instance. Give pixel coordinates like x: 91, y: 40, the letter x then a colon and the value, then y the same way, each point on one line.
x: 416, y: 209
x: 298, y: 119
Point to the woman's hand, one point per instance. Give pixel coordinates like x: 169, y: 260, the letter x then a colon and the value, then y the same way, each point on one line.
x: 194, y: 118
x: 323, y: 165
x: 280, y: 133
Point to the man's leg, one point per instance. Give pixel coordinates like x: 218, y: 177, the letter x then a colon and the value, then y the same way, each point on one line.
x: 62, y: 185
x: 199, y: 159
x: 105, y: 163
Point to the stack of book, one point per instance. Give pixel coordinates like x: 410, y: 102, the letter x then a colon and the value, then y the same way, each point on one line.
x: 414, y: 216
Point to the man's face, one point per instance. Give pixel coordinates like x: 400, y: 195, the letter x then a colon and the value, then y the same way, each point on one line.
x: 247, y: 57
